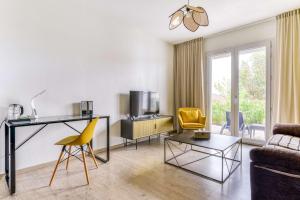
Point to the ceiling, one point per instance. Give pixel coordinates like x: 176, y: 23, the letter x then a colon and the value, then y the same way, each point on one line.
x: 152, y: 16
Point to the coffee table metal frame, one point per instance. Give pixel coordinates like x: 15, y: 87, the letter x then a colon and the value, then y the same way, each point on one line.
x: 218, y: 153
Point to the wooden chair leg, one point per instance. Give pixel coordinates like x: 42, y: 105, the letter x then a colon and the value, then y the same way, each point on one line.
x: 85, y: 167
x: 92, y: 153
x: 58, y: 161
x: 69, y: 154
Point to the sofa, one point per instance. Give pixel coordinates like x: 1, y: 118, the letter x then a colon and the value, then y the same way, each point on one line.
x: 275, y: 168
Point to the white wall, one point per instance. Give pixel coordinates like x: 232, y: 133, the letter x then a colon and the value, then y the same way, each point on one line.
x: 241, y: 36
x: 69, y: 48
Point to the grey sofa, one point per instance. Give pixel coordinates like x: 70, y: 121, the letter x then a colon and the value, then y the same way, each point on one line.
x: 275, y: 168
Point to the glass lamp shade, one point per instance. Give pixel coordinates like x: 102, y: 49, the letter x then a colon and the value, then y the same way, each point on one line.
x: 176, y: 19
x: 201, y: 18
x: 189, y: 22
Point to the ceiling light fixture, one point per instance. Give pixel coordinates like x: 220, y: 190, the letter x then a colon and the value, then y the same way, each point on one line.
x: 192, y: 17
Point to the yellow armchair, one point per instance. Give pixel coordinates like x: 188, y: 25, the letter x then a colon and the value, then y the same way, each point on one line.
x: 191, y: 118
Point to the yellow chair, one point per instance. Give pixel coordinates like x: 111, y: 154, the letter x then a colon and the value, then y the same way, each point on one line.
x: 77, y: 140
x: 191, y: 118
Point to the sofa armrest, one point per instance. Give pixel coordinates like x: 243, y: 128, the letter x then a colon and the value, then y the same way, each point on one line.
x: 280, y: 159
x: 287, y: 129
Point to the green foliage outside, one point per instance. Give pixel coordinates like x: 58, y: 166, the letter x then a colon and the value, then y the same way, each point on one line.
x: 251, y: 92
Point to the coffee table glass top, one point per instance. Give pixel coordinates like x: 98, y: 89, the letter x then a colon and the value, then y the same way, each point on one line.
x: 216, y: 141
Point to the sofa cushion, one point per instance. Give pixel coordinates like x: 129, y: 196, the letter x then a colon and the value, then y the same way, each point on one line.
x: 280, y: 141
x: 190, y: 116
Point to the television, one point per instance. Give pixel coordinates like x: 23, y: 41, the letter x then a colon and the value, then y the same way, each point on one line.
x: 143, y: 103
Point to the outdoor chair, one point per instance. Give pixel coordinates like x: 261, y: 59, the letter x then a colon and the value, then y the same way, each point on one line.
x: 242, y: 125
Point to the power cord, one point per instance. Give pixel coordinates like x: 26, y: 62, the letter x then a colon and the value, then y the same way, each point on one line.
x: 2, y: 156
x: 2, y: 123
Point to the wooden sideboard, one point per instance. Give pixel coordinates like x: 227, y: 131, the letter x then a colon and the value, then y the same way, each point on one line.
x: 140, y: 128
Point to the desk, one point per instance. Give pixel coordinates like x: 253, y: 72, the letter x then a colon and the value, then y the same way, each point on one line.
x: 10, y: 143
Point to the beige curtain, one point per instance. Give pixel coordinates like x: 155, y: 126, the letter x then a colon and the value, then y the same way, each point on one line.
x: 189, y: 75
x: 287, y: 72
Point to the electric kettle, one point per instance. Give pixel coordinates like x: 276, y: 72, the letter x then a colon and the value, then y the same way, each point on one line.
x: 15, y: 111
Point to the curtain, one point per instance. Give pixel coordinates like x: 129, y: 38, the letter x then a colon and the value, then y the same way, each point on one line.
x: 189, y: 75
x: 287, y: 72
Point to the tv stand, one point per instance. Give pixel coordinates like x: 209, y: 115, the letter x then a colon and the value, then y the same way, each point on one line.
x: 134, y: 129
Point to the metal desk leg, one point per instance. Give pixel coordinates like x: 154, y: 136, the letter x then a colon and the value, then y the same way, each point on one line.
x: 107, y: 138
x: 7, y: 154
x: 107, y: 143
x: 165, y: 150
x: 91, y: 142
x: 12, y: 181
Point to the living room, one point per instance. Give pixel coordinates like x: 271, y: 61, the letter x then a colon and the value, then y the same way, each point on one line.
x: 98, y: 99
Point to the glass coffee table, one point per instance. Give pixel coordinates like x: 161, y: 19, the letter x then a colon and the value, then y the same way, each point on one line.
x: 215, y: 158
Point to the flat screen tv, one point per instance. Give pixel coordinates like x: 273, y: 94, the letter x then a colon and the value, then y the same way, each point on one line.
x: 143, y: 103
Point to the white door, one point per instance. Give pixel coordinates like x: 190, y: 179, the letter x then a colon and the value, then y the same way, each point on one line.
x: 253, y: 116
x: 220, y: 87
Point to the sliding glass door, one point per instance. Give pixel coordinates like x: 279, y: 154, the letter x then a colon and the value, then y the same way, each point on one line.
x: 220, y: 88
x: 254, y: 91
x: 239, y: 91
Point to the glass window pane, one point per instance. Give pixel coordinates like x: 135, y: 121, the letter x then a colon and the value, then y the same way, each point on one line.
x: 221, y: 93
x: 252, y: 93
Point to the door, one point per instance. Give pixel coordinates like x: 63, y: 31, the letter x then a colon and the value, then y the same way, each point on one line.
x: 253, y: 92
x: 220, y: 92
x: 239, y: 91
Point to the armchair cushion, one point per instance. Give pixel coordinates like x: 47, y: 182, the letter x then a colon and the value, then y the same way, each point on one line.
x: 190, y: 116
x: 192, y: 126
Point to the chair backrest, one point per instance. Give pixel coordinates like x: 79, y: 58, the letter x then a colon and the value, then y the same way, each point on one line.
x: 87, y: 134
x: 228, y: 119
x: 241, y: 119
x: 193, y: 112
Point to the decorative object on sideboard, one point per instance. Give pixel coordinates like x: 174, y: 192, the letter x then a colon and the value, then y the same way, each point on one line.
x: 33, y: 108
x: 192, y: 17
x: 86, y: 108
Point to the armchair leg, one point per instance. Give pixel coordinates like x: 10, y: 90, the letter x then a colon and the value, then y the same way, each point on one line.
x: 93, y: 155
x: 57, y: 163
x: 85, y: 167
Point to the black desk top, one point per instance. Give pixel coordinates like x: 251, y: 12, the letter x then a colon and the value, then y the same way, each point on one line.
x: 145, y: 118
x: 51, y: 120
x: 216, y: 141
